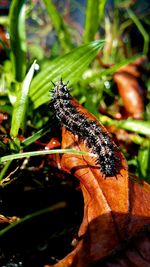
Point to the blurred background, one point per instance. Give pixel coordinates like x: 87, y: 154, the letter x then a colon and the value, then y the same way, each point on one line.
x: 125, y: 25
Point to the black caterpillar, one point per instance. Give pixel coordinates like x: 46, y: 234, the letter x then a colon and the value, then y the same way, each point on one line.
x: 96, y: 138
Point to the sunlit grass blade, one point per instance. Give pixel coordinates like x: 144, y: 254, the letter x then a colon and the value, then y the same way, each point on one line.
x: 42, y: 152
x: 21, y: 104
x: 70, y: 67
x: 60, y: 27
x: 18, y: 38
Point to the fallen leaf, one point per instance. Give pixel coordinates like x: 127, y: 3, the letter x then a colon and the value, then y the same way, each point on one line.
x: 116, y: 210
x: 135, y: 68
x: 131, y: 94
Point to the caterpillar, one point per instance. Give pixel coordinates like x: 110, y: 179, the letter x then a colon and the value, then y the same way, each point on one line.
x: 91, y: 131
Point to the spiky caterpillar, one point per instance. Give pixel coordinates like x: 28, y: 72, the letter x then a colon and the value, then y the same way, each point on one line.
x: 97, y: 138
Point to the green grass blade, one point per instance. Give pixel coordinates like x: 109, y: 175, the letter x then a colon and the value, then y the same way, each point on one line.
x: 141, y: 29
x: 4, y: 170
x: 19, y: 112
x: 101, y: 10
x: 31, y: 216
x: 18, y: 38
x: 70, y: 67
x: 137, y: 126
x: 93, y: 16
x: 60, y: 27
x: 141, y: 127
x: 31, y: 139
x: 42, y: 152
x: 112, y: 69
x: 143, y: 161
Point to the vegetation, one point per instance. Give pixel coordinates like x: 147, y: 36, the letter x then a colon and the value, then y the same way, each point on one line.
x: 99, y: 59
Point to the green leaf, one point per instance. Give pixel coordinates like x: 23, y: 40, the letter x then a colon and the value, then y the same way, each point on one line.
x: 94, y: 14
x: 21, y: 104
x: 70, y: 67
x: 18, y: 38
